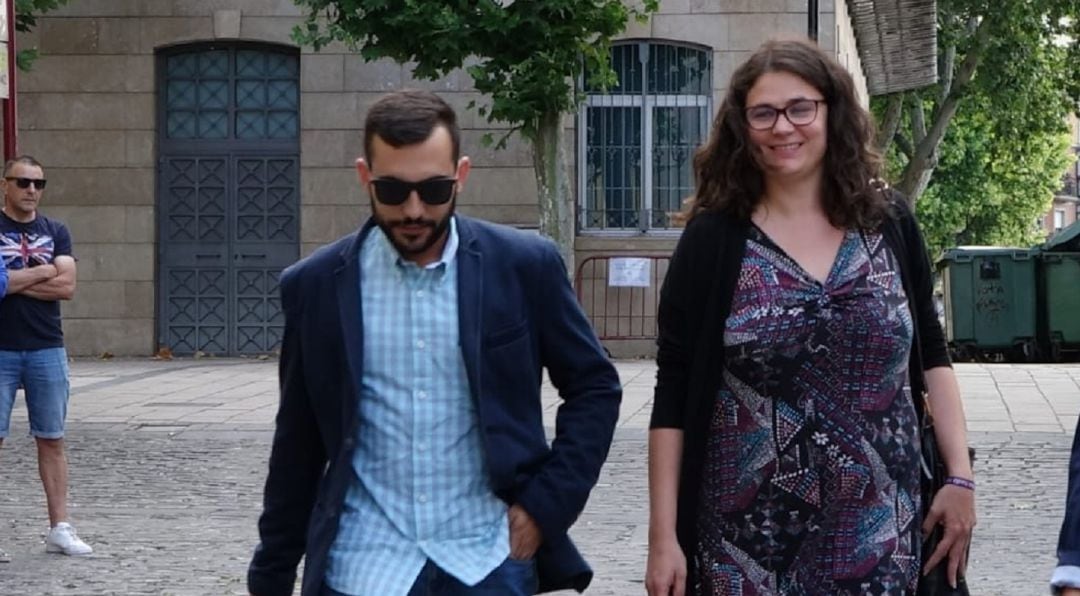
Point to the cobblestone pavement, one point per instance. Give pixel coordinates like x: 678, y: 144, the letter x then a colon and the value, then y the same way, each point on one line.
x: 168, y: 460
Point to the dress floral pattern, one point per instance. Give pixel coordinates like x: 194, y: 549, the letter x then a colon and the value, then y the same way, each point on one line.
x: 811, y: 482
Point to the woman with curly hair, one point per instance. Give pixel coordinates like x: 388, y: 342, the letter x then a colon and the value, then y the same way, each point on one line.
x: 796, y: 323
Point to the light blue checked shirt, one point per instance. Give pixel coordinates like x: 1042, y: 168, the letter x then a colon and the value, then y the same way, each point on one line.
x: 422, y: 490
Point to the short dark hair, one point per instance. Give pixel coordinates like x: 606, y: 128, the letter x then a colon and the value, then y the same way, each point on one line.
x: 25, y: 160
x: 408, y: 117
x: 729, y: 178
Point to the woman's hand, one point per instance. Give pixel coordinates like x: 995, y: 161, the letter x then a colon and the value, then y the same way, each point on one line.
x: 953, y: 509
x: 665, y: 572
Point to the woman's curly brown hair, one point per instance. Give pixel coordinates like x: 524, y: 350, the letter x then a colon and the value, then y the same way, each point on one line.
x: 729, y: 178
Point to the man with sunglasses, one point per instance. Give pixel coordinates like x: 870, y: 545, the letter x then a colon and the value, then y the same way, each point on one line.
x: 41, y: 273
x: 410, y: 455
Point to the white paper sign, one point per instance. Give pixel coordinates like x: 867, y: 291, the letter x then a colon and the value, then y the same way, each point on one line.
x: 5, y: 84
x: 629, y: 272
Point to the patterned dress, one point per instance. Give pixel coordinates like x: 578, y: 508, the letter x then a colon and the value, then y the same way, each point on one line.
x: 811, y: 481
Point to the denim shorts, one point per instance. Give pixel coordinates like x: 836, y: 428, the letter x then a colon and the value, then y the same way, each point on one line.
x: 43, y: 374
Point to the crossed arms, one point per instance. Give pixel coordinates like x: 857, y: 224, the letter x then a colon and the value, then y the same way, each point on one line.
x: 45, y: 282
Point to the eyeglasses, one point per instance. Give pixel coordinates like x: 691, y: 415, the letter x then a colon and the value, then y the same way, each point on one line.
x: 39, y: 183
x: 799, y: 113
x: 433, y: 191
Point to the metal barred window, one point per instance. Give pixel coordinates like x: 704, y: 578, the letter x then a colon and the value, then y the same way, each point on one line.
x: 639, y: 137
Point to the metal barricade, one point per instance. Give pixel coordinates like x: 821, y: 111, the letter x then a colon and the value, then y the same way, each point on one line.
x: 620, y: 294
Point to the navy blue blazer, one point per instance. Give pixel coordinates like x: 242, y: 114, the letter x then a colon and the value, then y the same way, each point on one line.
x: 517, y: 314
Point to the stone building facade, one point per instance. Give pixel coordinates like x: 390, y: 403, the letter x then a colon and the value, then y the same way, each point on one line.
x: 194, y: 151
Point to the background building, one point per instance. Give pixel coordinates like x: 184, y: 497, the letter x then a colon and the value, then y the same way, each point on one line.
x: 194, y: 151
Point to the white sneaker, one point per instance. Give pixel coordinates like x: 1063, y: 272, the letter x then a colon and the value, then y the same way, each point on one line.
x: 62, y: 539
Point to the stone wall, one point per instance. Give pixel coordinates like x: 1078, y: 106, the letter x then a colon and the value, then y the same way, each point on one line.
x: 88, y: 112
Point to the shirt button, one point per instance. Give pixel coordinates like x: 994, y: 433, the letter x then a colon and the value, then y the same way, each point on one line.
x: 421, y: 394
x: 421, y: 446
x: 419, y: 293
x: 420, y: 344
x: 422, y: 498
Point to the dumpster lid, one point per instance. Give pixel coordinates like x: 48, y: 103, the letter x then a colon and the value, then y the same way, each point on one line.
x: 985, y: 251
x: 1066, y: 240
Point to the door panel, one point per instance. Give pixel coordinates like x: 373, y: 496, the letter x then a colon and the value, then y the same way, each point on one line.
x: 228, y: 195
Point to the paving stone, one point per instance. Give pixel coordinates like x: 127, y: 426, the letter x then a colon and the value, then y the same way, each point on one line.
x: 168, y: 492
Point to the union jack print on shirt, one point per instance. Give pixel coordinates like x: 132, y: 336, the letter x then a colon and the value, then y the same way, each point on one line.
x: 26, y: 250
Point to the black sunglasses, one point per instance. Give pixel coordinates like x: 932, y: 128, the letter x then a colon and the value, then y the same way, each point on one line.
x: 433, y: 191
x: 39, y: 183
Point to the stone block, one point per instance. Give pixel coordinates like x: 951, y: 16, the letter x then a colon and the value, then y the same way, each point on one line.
x: 226, y: 24
x: 316, y: 224
x: 712, y: 32
x: 522, y: 216
x: 118, y: 36
x: 97, y: 299
x: 272, y: 29
x: 748, y: 6
x: 724, y: 65
x: 69, y: 36
x: 100, y: 186
x: 322, y: 72
x: 329, y: 148
x: 124, y: 336
x: 140, y: 148
x: 349, y: 218
x: 500, y: 186
x: 331, y: 186
x: 159, y: 32
x: 95, y: 74
x: 87, y: 111
x: 139, y: 297
x: 330, y: 111
x: 748, y: 31
x: 75, y: 148
x: 115, y: 261
x: 249, y: 8
x: 379, y: 76
x: 116, y: 8
x: 139, y: 224
x: 97, y: 224
x: 140, y: 74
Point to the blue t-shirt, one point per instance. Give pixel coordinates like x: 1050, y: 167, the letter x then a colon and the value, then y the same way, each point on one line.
x: 3, y: 278
x: 28, y: 323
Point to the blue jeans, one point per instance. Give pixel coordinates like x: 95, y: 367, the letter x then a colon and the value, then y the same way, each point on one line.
x: 43, y: 375
x: 512, y: 578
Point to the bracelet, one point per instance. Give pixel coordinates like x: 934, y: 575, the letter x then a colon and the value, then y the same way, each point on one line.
x: 961, y: 482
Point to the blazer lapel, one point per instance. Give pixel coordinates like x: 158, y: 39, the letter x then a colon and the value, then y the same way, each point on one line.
x: 347, y: 278
x: 470, y: 289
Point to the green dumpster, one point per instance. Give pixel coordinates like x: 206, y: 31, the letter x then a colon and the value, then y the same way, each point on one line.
x: 990, y: 301
x: 1060, y: 279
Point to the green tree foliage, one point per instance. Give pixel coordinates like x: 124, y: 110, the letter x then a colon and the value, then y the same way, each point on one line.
x: 26, y: 15
x: 987, y: 144
x: 524, y: 55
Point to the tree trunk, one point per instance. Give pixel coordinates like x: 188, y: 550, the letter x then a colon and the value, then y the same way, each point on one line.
x: 891, y: 122
x: 921, y: 166
x: 553, y: 186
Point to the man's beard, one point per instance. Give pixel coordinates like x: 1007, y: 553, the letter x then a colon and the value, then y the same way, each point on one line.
x: 438, y: 229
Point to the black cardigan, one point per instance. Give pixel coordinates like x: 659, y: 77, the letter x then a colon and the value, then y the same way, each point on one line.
x: 695, y: 301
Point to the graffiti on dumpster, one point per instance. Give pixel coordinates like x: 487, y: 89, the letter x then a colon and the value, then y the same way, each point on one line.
x: 990, y: 300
